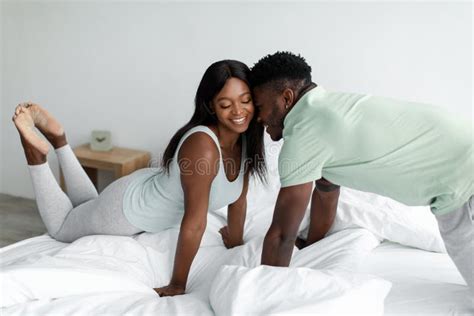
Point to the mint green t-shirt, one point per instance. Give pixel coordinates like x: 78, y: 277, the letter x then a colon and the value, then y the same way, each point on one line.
x: 414, y: 153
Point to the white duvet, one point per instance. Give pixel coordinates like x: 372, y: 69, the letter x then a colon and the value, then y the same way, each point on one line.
x: 116, y: 275
x: 265, y: 290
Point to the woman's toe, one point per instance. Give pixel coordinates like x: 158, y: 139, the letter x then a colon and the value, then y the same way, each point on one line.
x: 18, y: 109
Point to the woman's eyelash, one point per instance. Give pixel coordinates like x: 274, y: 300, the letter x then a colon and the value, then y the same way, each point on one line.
x: 228, y: 106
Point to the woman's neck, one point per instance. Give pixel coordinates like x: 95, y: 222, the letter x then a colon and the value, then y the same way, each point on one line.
x: 227, y: 139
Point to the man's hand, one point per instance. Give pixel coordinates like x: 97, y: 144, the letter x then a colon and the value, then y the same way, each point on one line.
x: 280, y: 239
x: 300, y: 243
x: 224, y: 231
x: 170, y: 290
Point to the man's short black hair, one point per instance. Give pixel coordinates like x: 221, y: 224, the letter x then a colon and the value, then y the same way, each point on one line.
x: 281, y: 70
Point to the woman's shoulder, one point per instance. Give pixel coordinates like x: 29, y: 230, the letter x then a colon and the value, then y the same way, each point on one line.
x: 199, y: 143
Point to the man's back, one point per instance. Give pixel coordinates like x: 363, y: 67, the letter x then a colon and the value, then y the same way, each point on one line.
x: 414, y: 153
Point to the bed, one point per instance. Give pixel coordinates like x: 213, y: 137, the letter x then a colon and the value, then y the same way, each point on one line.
x: 113, y: 275
x: 379, y: 258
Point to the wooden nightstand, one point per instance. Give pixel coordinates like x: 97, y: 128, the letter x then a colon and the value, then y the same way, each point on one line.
x: 122, y: 161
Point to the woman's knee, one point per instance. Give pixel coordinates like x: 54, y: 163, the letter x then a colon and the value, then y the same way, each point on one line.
x: 64, y: 236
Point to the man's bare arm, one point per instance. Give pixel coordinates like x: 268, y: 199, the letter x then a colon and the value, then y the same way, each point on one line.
x: 289, y: 211
x: 323, y: 210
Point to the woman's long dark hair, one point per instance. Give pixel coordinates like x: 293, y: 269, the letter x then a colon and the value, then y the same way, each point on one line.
x: 212, y: 82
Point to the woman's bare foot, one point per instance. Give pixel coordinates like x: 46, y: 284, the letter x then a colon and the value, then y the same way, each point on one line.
x: 35, y: 147
x: 45, y: 123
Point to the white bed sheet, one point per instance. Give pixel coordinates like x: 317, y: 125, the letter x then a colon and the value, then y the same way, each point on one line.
x: 36, y: 272
x: 27, y: 258
x: 423, y: 282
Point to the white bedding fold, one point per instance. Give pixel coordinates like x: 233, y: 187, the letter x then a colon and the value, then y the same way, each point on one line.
x: 90, y: 265
x: 266, y: 290
x: 114, y: 266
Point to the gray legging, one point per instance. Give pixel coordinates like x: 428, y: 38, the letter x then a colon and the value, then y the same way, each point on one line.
x: 84, y: 212
x: 457, y: 230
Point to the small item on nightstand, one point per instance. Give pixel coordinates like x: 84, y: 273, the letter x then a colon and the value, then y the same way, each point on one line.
x: 101, y: 140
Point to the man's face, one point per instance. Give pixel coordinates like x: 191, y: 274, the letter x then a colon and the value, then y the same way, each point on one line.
x: 271, y: 111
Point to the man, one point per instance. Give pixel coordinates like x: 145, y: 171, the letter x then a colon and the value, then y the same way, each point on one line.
x: 411, y: 152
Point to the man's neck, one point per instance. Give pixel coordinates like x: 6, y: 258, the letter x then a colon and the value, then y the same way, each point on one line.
x: 304, y: 90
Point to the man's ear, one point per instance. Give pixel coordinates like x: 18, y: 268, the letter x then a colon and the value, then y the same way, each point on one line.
x: 289, y: 97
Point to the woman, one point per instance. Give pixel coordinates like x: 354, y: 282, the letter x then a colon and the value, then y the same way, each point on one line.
x: 206, y: 166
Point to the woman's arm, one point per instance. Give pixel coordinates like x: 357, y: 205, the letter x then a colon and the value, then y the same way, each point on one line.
x: 197, y: 159
x: 233, y: 233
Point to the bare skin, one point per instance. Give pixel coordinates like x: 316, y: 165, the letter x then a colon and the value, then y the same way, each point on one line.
x: 292, y: 201
x: 323, y: 210
x: 196, y: 187
x: 281, y: 236
x: 289, y: 211
x: 234, y: 109
x: 29, y: 116
x: 233, y: 233
x: 232, y: 105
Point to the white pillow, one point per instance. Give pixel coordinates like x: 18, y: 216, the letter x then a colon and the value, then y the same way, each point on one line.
x: 261, y: 195
x: 387, y: 219
x: 275, y: 290
x: 345, y: 250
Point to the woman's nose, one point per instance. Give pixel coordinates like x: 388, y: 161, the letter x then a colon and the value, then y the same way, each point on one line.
x: 236, y: 110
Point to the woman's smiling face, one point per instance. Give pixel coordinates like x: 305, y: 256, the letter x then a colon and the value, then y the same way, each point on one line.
x: 234, y: 105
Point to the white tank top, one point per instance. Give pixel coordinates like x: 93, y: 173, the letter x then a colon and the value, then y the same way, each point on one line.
x: 154, y: 200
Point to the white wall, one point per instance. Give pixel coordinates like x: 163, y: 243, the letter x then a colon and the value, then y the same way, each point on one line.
x: 134, y: 68
x: 1, y: 97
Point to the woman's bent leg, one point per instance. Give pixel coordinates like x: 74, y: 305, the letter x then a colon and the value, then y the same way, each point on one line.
x: 100, y: 216
x: 79, y: 187
x: 53, y: 204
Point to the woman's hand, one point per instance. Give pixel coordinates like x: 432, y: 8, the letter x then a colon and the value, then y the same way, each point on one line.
x: 224, y: 231
x: 170, y: 290
x: 196, y: 149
